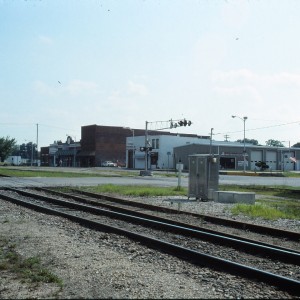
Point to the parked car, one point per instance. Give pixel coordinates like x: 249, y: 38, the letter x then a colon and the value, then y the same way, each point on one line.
x: 108, y: 163
x: 121, y: 164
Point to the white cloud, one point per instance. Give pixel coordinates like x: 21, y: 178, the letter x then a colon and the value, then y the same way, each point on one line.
x: 42, y: 88
x: 73, y: 88
x: 285, y: 78
x: 78, y: 87
x: 243, y: 77
x: 236, y: 13
x: 210, y: 51
x: 268, y: 98
x: 240, y: 91
x: 137, y: 89
x: 234, y: 76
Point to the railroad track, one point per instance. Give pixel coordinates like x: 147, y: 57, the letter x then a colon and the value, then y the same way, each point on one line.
x: 124, y: 205
x: 181, y: 240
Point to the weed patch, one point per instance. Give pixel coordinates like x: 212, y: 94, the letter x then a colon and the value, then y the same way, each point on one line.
x: 26, y: 269
x: 265, y: 211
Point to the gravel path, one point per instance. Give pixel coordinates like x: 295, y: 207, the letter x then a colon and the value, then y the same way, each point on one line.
x: 100, y: 265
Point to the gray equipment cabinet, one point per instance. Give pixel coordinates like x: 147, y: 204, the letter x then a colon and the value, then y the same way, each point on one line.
x: 203, y: 176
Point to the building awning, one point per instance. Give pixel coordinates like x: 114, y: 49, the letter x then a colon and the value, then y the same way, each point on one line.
x: 64, y: 153
x: 86, y: 153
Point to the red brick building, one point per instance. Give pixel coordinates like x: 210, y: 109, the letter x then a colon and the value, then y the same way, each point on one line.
x: 101, y: 143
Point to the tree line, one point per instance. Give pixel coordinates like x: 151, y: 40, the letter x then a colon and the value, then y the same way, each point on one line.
x: 9, y: 147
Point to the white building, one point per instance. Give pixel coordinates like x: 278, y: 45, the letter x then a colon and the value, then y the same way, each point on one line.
x: 167, y: 150
x: 14, y: 160
x: 161, y: 155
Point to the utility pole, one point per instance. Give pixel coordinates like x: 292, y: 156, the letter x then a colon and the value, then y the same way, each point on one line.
x: 146, y: 148
x: 37, y: 143
x: 244, y: 151
x: 210, y: 144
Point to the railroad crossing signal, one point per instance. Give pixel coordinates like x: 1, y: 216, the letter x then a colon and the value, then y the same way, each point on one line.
x: 183, y: 122
x: 143, y: 149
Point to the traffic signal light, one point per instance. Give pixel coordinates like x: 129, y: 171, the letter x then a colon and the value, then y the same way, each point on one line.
x: 184, y: 122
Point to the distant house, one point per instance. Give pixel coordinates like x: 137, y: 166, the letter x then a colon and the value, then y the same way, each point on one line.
x: 14, y: 160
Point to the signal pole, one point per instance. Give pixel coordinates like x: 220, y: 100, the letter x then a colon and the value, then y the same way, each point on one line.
x: 146, y: 148
x: 164, y: 125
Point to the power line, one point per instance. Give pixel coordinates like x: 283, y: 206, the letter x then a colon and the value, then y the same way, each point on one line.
x: 34, y: 124
x: 19, y: 124
x: 258, y: 128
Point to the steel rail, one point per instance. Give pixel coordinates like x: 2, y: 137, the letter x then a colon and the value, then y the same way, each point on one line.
x: 165, y: 220
x: 242, y: 244
x: 216, y: 220
x: 283, y: 283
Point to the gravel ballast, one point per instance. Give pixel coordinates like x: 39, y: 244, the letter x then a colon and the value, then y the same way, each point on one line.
x: 94, y: 264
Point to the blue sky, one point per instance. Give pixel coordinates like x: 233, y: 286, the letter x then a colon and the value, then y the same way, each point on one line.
x: 65, y: 64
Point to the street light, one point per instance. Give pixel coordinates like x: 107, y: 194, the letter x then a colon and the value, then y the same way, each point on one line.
x: 244, y: 152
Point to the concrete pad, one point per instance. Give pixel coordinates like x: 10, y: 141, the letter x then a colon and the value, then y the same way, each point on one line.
x: 234, y: 197
x: 180, y: 200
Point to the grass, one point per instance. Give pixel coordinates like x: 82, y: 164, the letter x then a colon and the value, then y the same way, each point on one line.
x: 278, y: 202
x: 291, y: 174
x: 44, y: 173
x: 136, y: 190
x: 113, y: 172
x: 268, y: 208
x: 29, y: 269
x: 267, y: 211
x: 278, y: 191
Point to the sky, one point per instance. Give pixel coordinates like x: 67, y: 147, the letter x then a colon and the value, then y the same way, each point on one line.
x: 71, y: 63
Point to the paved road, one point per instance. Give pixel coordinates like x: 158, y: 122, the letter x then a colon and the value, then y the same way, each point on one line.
x: 140, y: 180
x: 259, y: 180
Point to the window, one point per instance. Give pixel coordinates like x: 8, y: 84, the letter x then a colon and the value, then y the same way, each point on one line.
x: 155, y: 143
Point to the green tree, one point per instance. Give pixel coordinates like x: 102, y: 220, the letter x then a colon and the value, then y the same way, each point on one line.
x: 249, y: 141
x: 16, y: 150
x: 297, y: 145
x: 274, y: 143
x: 28, y: 150
x: 6, y: 147
x: 262, y: 165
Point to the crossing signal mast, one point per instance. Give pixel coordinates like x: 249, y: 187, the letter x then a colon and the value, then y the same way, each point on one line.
x: 183, y: 122
x: 160, y: 125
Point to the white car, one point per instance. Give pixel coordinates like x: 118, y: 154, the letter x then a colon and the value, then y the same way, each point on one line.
x: 108, y: 163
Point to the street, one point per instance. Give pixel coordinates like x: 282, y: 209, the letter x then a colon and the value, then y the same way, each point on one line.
x: 155, y: 180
